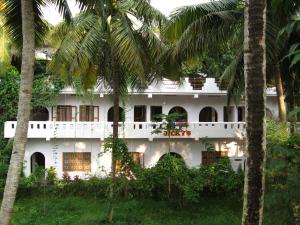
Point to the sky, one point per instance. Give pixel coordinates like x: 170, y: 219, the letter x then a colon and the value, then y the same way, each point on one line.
x: 165, y: 6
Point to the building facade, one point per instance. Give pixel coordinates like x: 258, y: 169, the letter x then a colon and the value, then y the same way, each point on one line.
x: 70, y: 135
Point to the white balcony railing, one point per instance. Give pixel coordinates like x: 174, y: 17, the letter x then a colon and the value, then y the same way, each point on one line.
x: 195, y: 130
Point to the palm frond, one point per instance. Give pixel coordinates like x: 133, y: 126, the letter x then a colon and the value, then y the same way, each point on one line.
x: 208, y: 32
x: 183, y: 17
x: 63, y: 8
x: 126, y: 45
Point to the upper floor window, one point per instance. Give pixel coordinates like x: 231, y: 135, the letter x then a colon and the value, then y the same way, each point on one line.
x: 229, y: 112
x: 154, y: 112
x: 208, y: 114
x: 140, y: 113
x: 64, y: 113
x: 241, y: 114
x: 183, y: 117
x: 89, y: 113
x: 39, y: 113
x: 110, y: 114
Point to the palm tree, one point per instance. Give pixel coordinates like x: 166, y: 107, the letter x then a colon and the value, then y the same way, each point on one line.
x: 110, y: 42
x: 255, y: 80
x: 209, y: 26
x: 20, y: 140
x: 24, y: 31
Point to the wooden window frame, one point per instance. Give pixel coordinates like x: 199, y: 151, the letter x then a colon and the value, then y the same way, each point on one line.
x: 95, y: 118
x: 143, y: 118
x: 209, y: 157
x: 77, y: 161
x: 70, y: 114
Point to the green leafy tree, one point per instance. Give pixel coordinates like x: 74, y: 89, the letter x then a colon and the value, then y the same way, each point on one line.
x: 168, y: 125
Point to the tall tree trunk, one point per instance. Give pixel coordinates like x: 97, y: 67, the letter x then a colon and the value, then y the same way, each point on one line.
x: 292, y: 103
x: 116, y: 87
x: 280, y: 93
x: 20, y: 140
x: 255, y: 80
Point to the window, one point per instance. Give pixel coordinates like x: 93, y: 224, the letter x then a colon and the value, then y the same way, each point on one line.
x: 65, y: 113
x: 76, y: 161
x: 137, y: 158
x: 208, y: 114
x: 154, y: 111
x: 140, y: 113
x: 183, y: 116
x: 241, y: 114
x: 228, y: 114
x: 89, y: 113
x: 212, y: 157
x: 110, y: 114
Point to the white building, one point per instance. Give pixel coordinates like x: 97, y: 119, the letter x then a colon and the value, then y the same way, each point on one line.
x: 70, y: 135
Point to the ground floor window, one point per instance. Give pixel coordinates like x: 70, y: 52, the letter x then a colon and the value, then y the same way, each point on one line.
x: 137, y: 157
x: 76, y: 161
x: 212, y: 157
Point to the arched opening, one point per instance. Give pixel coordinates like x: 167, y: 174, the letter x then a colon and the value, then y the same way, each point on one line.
x: 182, y: 117
x: 174, y: 154
x: 208, y: 114
x: 39, y: 113
x: 110, y: 114
x: 37, y: 160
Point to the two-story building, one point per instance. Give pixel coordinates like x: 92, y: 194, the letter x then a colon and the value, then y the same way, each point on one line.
x: 69, y: 136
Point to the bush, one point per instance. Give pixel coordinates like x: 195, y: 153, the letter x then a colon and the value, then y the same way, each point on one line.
x: 187, y: 185
x: 283, y: 181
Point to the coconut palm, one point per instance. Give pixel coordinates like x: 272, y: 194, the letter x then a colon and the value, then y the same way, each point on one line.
x: 23, y: 32
x: 206, y: 27
x: 255, y: 82
x: 17, y: 156
x: 111, y: 42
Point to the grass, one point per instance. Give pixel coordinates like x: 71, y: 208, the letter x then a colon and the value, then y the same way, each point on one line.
x: 50, y: 210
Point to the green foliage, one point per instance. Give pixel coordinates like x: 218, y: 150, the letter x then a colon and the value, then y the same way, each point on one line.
x: 283, y: 181
x: 277, y: 132
x: 121, y: 153
x: 167, y: 123
x: 44, y: 92
x: 188, y: 185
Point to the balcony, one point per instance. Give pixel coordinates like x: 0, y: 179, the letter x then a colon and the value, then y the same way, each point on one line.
x: 130, y: 130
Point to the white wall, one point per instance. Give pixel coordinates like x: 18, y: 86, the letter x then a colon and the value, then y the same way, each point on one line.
x: 190, y: 151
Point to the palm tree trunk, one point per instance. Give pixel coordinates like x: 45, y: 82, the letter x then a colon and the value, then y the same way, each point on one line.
x: 255, y: 80
x: 280, y: 93
x: 292, y: 103
x: 20, y: 140
x: 116, y: 87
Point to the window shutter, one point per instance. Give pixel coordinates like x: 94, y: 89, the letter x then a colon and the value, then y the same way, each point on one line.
x: 74, y: 113
x: 54, y: 113
x: 96, y: 113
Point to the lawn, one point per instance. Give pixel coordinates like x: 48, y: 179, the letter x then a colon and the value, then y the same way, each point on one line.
x: 49, y: 210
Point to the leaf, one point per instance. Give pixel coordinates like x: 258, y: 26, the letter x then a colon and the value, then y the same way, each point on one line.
x: 294, y: 111
x: 295, y: 60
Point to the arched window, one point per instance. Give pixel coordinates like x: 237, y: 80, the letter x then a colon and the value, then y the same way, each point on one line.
x: 208, y: 114
x: 174, y: 154
x: 37, y: 159
x: 183, y: 114
x: 110, y: 114
x: 39, y: 113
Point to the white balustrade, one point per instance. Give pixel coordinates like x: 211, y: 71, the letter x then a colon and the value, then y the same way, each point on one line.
x: 196, y: 130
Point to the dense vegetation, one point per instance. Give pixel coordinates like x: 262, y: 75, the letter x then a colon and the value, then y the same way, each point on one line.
x: 45, y: 89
